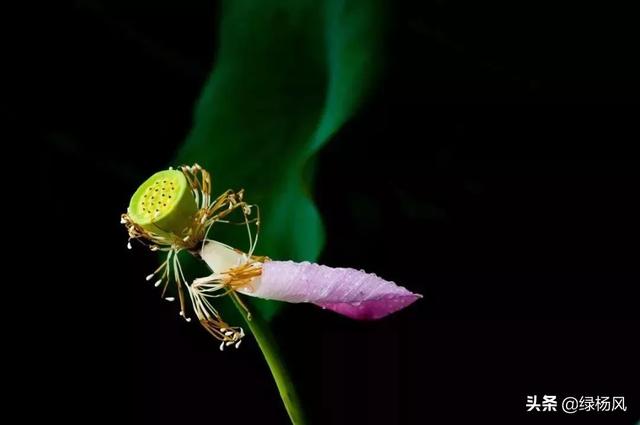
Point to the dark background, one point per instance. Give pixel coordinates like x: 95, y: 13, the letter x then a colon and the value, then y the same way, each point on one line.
x: 493, y: 170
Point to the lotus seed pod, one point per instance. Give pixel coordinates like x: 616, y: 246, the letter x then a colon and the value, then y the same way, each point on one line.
x: 164, y: 203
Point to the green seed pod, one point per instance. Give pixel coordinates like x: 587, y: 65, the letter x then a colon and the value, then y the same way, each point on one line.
x: 163, y: 204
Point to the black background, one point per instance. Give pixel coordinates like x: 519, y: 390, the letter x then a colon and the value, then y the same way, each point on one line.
x: 493, y: 170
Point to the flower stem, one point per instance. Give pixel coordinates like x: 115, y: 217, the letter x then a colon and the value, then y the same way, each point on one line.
x: 267, y: 344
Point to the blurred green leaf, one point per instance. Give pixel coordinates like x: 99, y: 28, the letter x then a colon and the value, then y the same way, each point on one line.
x: 288, y: 74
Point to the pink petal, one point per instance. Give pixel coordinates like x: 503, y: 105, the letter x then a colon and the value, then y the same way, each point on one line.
x: 350, y: 292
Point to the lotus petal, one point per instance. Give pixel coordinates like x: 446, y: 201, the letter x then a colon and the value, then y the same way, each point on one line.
x: 347, y: 291
x: 350, y: 292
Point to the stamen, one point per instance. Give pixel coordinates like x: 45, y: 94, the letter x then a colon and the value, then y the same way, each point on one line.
x: 201, y: 290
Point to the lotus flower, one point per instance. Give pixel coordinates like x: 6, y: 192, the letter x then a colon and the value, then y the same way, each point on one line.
x: 173, y: 211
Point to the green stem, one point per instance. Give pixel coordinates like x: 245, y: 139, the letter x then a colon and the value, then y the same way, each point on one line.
x: 267, y: 344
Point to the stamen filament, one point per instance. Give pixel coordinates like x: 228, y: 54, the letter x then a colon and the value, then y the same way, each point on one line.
x: 196, y: 233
